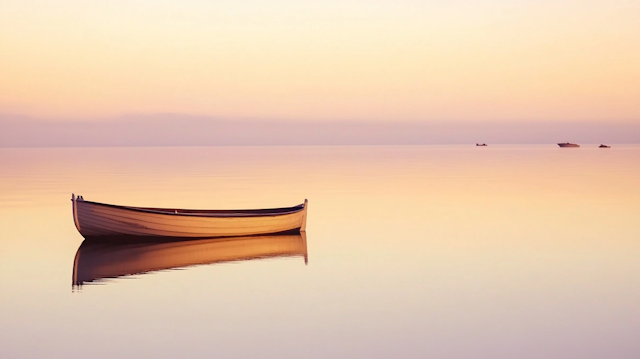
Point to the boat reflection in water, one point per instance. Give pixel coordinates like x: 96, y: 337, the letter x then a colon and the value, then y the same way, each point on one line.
x: 99, y: 259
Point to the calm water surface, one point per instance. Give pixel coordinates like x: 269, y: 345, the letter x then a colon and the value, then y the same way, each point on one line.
x: 412, y: 252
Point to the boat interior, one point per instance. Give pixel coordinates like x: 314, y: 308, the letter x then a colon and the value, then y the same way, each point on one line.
x: 210, y: 212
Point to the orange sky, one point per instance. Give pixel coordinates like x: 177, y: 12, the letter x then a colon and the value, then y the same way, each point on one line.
x: 322, y: 60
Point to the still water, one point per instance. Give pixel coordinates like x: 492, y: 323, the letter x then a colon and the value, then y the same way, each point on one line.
x: 410, y: 252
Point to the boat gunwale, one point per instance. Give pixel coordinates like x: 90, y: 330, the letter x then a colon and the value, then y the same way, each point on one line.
x: 207, y: 213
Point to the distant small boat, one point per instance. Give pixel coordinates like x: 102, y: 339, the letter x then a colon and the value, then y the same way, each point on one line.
x: 481, y: 144
x: 567, y: 144
x: 93, y: 219
x: 604, y: 146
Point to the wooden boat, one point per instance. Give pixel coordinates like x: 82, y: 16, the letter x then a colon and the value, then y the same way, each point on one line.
x: 93, y: 219
x: 604, y: 146
x: 567, y: 144
x: 97, y: 259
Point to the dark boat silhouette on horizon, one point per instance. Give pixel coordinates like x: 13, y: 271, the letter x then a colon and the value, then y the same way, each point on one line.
x: 568, y: 144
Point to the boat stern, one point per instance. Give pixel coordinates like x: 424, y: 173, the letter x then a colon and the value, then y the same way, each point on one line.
x: 304, y: 216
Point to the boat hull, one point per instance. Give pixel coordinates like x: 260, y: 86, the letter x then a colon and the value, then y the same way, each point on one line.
x: 93, y: 219
x: 568, y: 145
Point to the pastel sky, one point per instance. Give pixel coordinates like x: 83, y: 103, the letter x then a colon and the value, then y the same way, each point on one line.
x: 356, y: 60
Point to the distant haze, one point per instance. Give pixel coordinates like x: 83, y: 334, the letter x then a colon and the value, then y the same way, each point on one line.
x: 183, y: 130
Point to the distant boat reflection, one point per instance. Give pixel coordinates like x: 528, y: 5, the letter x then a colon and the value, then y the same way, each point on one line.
x: 97, y: 259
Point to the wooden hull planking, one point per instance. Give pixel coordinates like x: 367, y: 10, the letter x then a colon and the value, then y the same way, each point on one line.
x: 94, y: 219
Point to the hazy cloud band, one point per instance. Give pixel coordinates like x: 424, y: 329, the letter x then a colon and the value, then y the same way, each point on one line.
x: 177, y: 130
